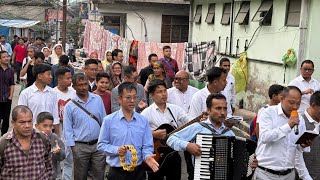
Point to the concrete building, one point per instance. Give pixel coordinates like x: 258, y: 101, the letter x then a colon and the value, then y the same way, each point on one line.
x: 145, y: 20
x: 266, y: 29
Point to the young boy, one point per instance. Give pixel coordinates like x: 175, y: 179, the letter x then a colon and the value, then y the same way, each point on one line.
x: 275, y: 95
x: 102, y: 83
x: 45, y: 124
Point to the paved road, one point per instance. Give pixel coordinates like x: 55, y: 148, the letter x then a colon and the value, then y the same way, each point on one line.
x: 184, y: 175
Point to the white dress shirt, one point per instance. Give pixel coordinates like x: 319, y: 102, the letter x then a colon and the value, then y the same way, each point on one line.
x: 198, y: 103
x: 183, y: 100
x: 156, y: 117
x: 230, y: 93
x: 303, y: 85
x: 276, y: 148
x: 312, y: 121
x: 37, y: 101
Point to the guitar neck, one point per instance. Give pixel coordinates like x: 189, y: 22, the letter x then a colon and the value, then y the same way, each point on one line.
x: 197, y: 119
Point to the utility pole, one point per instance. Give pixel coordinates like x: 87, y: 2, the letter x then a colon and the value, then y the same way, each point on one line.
x: 304, y: 17
x: 57, y: 23
x: 64, y: 26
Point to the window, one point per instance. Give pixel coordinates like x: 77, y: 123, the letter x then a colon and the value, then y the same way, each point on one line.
x: 264, y: 13
x: 225, y: 20
x: 115, y: 23
x: 293, y: 13
x: 197, y: 17
x: 243, y: 14
x: 174, y: 29
x: 210, y: 15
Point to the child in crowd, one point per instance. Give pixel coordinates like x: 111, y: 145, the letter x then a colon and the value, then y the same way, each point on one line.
x: 45, y: 124
x: 102, y: 83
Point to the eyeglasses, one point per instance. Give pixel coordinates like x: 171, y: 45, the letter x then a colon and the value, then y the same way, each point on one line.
x: 179, y: 79
x: 93, y: 70
x: 134, y: 78
x: 129, y: 98
x: 307, y: 70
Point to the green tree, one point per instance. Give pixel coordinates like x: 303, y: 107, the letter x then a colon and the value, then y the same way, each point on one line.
x: 74, y: 29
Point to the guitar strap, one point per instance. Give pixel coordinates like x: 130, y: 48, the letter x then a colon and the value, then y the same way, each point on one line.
x: 173, y: 116
x: 213, y: 130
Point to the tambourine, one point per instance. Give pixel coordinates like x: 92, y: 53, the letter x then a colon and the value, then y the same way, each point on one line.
x: 134, y: 159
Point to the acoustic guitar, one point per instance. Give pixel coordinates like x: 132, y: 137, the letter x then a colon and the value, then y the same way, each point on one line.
x: 161, y: 149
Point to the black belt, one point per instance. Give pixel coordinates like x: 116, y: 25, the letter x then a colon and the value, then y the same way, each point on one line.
x: 88, y: 143
x: 120, y: 169
x: 280, y: 173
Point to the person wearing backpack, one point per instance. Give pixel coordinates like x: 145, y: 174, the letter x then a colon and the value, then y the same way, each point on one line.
x: 24, y: 152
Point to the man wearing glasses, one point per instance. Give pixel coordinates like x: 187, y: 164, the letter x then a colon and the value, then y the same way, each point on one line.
x: 130, y: 75
x: 181, y: 94
x: 91, y: 71
x: 306, y: 84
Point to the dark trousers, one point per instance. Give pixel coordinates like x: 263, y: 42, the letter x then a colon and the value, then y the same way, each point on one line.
x: 190, y: 167
x: 117, y: 173
x: 87, y: 160
x: 5, y: 108
x: 171, y: 169
x: 18, y: 66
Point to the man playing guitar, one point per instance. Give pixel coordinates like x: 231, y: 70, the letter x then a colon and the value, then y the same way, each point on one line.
x: 160, y: 113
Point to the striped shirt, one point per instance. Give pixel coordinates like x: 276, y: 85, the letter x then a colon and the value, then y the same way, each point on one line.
x: 6, y: 81
x: 35, y: 164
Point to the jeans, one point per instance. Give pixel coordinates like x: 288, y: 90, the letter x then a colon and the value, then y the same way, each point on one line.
x: 67, y: 165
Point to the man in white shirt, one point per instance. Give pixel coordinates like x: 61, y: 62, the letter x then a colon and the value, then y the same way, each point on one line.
x: 305, y: 83
x: 312, y: 118
x: 64, y: 92
x: 39, y: 97
x: 159, y: 113
x: 277, y: 153
x: 230, y: 90
x: 181, y: 95
x: 216, y: 78
x: 182, y: 92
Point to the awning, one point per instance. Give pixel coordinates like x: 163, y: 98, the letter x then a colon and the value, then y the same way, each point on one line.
x: 17, y: 23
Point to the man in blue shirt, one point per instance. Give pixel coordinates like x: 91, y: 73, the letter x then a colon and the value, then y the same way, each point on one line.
x: 126, y: 127
x: 217, y: 112
x: 6, y: 45
x: 81, y: 131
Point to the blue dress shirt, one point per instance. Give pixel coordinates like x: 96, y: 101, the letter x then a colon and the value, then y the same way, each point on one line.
x: 116, y: 131
x: 179, y: 140
x: 8, y: 49
x: 78, y: 125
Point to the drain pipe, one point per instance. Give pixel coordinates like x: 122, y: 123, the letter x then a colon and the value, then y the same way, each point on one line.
x: 190, y: 21
x: 304, y: 17
x: 231, y: 28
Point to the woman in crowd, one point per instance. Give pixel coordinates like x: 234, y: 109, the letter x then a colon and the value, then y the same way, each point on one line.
x: 47, y: 53
x: 158, y: 73
x: 115, y: 74
x: 56, y: 53
x: 107, y: 60
x: 94, y: 55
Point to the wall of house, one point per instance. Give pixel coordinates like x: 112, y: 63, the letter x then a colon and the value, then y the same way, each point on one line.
x: 152, y: 13
x: 312, y: 50
x: 36, y: 13
x: 268, y: 46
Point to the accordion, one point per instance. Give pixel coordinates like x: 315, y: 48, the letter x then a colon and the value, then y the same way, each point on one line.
x: 223, y: 158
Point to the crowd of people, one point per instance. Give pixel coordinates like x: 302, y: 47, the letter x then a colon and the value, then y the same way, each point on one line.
x: 71, y: 125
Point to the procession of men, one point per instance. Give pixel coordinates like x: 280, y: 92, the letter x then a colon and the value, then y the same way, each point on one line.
x: 104, y: 122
